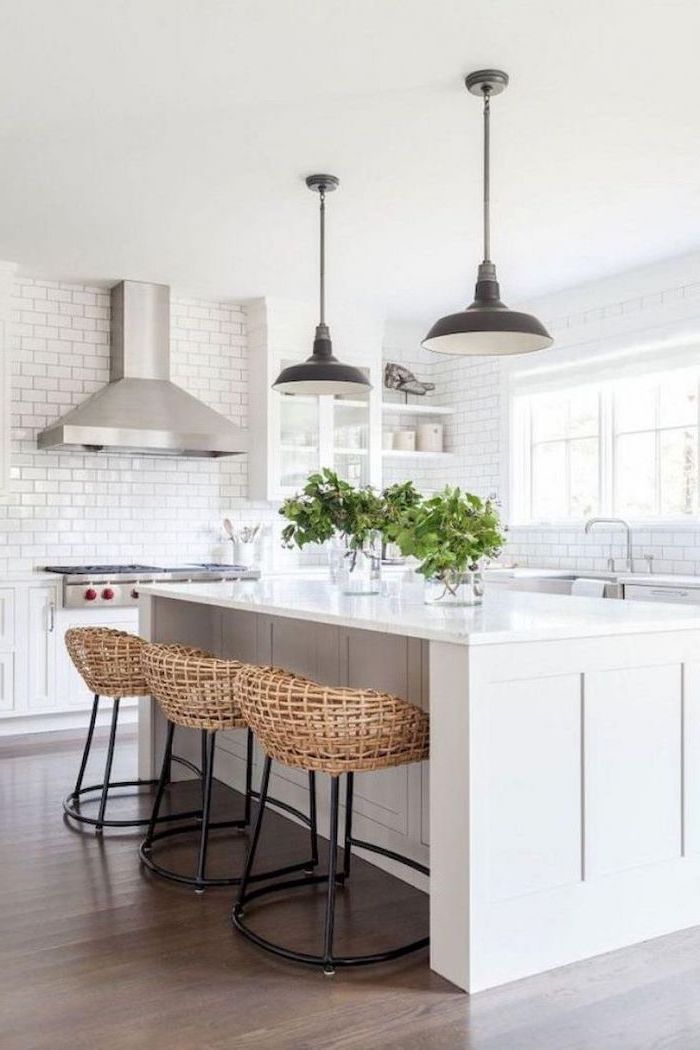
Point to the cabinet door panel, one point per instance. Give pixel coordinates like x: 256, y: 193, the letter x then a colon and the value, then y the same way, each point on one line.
x: 7, y: 682
x: 41, y: 676
x: 382, y: 661
x: 7, y: 617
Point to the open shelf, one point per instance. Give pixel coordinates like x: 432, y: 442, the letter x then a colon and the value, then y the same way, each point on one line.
x: 417, y: 410
x: 397, y: 453
x: 350, y: 451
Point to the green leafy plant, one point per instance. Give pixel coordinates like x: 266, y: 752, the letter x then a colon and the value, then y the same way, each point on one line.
x: 450, y: 533
x: 398, y: 499
x: 328, y: 506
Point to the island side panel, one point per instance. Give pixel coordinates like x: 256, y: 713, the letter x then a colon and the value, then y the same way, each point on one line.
x: 450, y: 803
x: 584, y: 756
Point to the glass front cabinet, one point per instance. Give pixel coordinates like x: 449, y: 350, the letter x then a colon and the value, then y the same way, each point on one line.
x: 291, y: 435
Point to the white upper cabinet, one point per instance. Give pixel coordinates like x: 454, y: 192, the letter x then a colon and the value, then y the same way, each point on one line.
x: 291, y: 436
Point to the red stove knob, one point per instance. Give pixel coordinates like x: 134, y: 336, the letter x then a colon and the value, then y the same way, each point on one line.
x: 90, y: 594
x: 107, y: 593
x: 134, y: 593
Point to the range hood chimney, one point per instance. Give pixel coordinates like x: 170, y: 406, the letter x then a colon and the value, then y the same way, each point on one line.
x: 140, y: 410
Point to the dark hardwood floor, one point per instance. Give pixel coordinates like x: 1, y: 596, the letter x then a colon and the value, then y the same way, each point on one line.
x: 95, y: 953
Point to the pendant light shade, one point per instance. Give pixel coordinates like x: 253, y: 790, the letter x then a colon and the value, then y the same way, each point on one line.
x: 487, y: 327
x: 322, y: 373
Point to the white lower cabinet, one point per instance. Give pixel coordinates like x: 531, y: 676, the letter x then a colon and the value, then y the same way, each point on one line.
x: 39, y: 686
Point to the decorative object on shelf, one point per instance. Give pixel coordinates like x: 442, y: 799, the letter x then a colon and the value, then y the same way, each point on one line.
x: 329, y: 507
x: 405, y: 440
x: 430, y: 437
x: 451, y: 534
x: 322, y: 373
x: 387, y: 440
x: 487, y: 327
x: 398, y: 377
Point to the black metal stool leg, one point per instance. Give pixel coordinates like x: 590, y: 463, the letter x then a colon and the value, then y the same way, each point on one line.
x: 207, y: 782
x: 108, y: 767
x: 347, y: 844
x: 248, y: 776
x: 328, y: 967
x: 313, y: 827
x: 86, y: 750
x: 162, y: 784
x: 203, y: 763
x: 250, y: 859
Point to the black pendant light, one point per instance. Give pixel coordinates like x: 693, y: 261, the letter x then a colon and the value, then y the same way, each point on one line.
x: 487, y: 327
x: 322, y: 373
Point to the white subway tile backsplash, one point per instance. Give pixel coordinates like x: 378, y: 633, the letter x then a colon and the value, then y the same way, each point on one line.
x: 74, y: 507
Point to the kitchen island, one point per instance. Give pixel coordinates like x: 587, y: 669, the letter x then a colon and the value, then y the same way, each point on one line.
x: 560, y: 813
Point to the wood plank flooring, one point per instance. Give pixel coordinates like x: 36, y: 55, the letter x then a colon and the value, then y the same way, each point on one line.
x: 97, y: 954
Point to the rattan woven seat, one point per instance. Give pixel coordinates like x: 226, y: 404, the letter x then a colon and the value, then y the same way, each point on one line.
x: 109, y: 662
x: 200, y: 691
x: 337, y: 731
x: 194, y: 689
x: 330, y: 729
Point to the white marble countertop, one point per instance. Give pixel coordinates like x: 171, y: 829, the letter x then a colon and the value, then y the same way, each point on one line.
x: 644, y: 579
x: 505, y: 616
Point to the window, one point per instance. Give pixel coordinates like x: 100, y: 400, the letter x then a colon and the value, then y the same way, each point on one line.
x: 627, y: 446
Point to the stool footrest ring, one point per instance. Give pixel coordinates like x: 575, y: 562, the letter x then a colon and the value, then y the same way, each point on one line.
x: 142, y: 822
x: 190, y: 880
x: 237, y: 919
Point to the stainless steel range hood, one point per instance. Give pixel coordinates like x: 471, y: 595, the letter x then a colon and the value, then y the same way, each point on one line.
x: 141, y: 410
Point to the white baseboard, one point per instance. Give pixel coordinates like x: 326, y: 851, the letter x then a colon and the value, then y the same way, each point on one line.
x: 50, y: 721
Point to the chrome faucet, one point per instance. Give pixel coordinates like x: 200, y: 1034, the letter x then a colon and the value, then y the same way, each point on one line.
x: 629, y: 565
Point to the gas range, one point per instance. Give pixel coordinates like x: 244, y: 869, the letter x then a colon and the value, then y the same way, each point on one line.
x: 117, y: 586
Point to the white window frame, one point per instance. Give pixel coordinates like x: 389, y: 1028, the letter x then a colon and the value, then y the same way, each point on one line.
x: 519, y: 436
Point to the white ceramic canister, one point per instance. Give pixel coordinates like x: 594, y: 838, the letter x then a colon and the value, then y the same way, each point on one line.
x: 430, y: 437
x: 405, y: 440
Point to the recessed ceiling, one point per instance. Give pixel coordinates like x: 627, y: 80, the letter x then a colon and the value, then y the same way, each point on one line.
x: 168, y: 141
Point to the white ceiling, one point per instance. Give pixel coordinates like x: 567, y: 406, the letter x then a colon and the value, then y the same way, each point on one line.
x: 167, y: 140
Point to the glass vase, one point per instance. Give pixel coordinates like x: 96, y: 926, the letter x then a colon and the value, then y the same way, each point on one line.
x: 456, y: 588
x: 361, y: 569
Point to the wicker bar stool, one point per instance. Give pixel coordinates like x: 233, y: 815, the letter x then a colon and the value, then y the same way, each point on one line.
x: 109, y: 662
x: 199, y: 691
x: 335, y: 731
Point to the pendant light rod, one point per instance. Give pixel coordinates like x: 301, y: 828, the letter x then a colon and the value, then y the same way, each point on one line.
x: 322, y: 257
x: 322, y: 184
x: 487, y: 172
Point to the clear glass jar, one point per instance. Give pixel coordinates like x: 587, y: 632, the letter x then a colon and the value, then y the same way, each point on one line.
x: 456, y: 588
x: 361, y: 570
